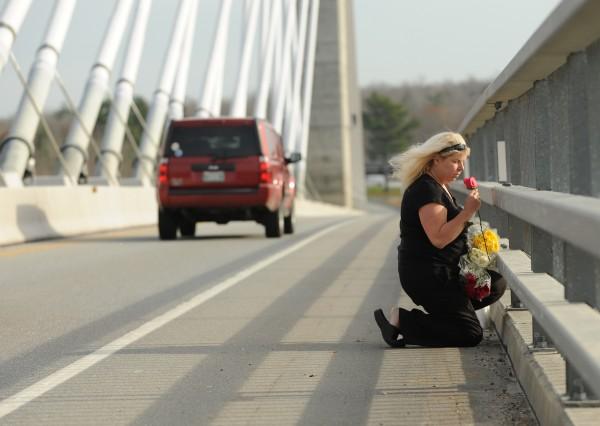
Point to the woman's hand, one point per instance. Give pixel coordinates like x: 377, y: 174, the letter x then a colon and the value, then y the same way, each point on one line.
x: 472, y: 202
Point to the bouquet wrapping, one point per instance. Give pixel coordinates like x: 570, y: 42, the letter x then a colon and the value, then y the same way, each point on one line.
x: 483, y: 243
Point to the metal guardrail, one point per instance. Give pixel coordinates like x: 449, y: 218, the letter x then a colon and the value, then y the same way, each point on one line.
x: 572, y: 218
x: 573, y: 328
x: 535, y: 126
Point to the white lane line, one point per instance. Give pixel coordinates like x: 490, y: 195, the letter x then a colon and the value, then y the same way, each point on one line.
x: 34, y: 391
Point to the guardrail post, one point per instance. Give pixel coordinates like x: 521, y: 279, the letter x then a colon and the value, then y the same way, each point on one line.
x: 490, y: 157
x: 519, y: 234
x: 483, y: 151
x: 476, y: 157
x: 543, y: 172
x: 515, y: 302
x: 527, y: 161
x: 578, y: 125
x: 511, y: 133
x: 541, y: 261
x: 577, y: 390
x: 559, y: 154
x: 541, y: 340
x: 582, y: 277
x: 541, y: 251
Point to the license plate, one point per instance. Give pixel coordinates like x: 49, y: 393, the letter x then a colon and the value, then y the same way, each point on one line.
x: 218, y: 176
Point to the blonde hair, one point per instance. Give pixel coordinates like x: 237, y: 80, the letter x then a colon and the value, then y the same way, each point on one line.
x: 417, y: 159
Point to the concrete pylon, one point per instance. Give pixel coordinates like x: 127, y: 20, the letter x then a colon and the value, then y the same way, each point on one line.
x: 335, y: 158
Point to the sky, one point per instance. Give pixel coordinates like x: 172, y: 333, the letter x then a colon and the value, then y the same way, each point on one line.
x: 398, y: 41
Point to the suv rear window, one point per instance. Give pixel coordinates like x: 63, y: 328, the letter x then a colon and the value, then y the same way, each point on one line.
x: 212, y: 141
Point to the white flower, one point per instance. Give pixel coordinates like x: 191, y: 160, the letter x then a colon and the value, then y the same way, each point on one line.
x: 479, y: 257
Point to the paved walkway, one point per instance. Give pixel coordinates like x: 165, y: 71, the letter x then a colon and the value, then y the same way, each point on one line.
x: 294, y: 343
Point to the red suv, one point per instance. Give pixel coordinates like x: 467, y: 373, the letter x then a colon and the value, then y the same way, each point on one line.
x: 223, y: 169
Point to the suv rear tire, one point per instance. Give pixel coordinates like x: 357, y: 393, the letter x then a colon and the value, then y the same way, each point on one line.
x: 187, y: 228
x: 272, y: 224
x: 167, y: 226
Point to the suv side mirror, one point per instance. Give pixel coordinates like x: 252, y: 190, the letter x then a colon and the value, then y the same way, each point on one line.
x: 294, y: 157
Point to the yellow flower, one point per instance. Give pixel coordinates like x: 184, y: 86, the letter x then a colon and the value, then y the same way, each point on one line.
x: 488, y: 239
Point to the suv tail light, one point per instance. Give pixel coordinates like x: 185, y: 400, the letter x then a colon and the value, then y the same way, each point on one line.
x: 265, y: 174
x: 163, y: 170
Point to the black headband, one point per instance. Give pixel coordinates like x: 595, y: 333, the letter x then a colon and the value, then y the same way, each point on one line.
x: 457, y: 147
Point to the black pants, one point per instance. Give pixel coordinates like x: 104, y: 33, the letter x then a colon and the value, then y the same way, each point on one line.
x: 450, y: 319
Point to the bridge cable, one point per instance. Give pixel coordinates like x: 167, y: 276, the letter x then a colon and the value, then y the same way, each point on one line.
x: 128, y: 134
x: 89, y: 135
x: 38, y: 111
x: 140, y: 118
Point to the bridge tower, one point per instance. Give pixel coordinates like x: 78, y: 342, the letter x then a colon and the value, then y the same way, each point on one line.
x: 335, y: 158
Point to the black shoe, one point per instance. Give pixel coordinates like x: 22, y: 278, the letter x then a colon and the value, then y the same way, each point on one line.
x: 388, y: 331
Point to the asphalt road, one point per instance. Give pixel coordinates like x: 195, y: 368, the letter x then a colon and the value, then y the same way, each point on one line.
x: 229, y: 328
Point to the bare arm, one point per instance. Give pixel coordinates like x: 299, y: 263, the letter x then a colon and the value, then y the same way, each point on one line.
x: 440, y: 231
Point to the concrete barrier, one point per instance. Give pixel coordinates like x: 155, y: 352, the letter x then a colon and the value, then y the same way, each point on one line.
x: 40, y: 212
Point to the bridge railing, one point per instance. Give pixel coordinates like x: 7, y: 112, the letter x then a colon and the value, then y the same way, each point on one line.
x: 535, y: 141
x: 559, y: 321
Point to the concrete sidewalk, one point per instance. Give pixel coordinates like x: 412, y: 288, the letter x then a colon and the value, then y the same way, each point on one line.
x: 293, y: 343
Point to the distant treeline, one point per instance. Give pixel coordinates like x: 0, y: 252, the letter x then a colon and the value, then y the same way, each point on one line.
x: 436, y: 106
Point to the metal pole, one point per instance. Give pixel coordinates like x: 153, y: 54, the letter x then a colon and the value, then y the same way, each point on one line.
x: 144, y: 166
x: 264, y: 29
x: 282, y: 88
x: 10, y: 23
x: 112, y: 141
x: 293, y: 117
x: 178, y: 95
x: 217, y: 91
x: 260, y: 108
x: 238, y: 108
x: 211, y: 91
x: 309, y: 69
x: 277, y: 58
x: 18, y: 146
x: 77, y: 141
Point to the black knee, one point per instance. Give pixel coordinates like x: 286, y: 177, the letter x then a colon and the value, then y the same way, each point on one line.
x: 473, y: 336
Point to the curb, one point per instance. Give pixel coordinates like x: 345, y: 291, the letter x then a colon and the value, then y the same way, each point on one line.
x: 541, y: 374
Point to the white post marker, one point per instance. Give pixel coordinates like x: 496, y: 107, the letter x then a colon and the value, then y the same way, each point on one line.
x: 502, y: 169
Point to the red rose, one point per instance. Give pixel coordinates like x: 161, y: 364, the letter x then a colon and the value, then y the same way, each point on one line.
x: 484, y: 292
x: 481, y: 292
x: 471, y: 278
x: 470, y: 182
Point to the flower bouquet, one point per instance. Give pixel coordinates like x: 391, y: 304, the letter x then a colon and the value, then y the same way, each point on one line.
x: 484, y: 244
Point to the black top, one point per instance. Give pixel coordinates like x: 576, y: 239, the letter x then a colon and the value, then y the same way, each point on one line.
x: 414, y: 243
